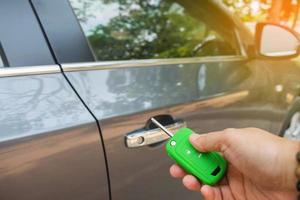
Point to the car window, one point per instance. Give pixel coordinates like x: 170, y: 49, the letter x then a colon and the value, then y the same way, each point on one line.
x: 132, y: 29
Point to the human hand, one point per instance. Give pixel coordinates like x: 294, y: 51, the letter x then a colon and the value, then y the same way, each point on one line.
x: 260, y: 165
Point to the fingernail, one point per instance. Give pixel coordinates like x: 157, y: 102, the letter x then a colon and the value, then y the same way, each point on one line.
x: 194, y: 137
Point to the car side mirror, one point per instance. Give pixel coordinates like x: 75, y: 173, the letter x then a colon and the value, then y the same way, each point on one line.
x: 276, y: 41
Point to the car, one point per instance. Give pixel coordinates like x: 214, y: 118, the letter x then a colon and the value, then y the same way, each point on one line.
x: 81, y: 79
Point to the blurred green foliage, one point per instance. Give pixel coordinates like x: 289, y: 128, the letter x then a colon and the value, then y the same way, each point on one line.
x: 277, y: 11
x: 249, y: 10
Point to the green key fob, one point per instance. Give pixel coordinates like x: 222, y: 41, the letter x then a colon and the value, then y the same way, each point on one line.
x: 209, y: 167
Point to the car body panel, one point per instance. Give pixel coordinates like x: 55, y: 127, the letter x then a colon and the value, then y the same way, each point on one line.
x: 124, y: 99
x: 284, y: 78
x: 50, y: 146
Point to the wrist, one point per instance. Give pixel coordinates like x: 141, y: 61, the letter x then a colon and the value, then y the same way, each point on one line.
x: 290, y: 163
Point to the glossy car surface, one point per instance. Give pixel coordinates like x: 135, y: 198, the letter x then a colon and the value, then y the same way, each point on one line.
x: 71, y: 91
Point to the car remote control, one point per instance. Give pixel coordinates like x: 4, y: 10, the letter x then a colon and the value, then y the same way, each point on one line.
x: 208, y: 167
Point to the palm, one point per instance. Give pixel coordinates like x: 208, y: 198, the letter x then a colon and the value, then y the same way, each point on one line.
x: 236, y: 186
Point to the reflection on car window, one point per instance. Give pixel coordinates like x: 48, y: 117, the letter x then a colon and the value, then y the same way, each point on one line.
x: 1, y: 62
x: 135, y: 29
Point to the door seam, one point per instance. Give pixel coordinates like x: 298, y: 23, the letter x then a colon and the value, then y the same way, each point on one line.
x: 78, y: 96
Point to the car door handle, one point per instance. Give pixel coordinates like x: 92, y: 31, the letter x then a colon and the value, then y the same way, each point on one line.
x: 146, y: 137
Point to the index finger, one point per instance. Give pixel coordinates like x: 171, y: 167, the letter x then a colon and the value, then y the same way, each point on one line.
x: 177, y: 172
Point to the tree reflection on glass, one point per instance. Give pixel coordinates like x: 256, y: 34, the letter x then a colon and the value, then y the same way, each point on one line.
x: 139, y: 29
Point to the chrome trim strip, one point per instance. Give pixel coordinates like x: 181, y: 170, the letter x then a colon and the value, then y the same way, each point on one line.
x: 30, y: 70
x: 71, y: 67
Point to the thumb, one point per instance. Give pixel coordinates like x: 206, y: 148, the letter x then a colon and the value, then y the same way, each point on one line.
x: 215, y: 141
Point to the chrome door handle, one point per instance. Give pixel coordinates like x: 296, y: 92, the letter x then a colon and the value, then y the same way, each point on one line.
x: 145, y: 137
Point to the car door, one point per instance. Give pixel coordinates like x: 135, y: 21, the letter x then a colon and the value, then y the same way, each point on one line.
x: 183, y: 62
x: 47, y: 150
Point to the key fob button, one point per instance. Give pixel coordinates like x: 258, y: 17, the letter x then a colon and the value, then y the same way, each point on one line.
x: 173, y: 143
x: 208, y: 167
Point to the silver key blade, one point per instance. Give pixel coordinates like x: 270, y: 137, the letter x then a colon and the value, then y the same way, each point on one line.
x: 162, y: 127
